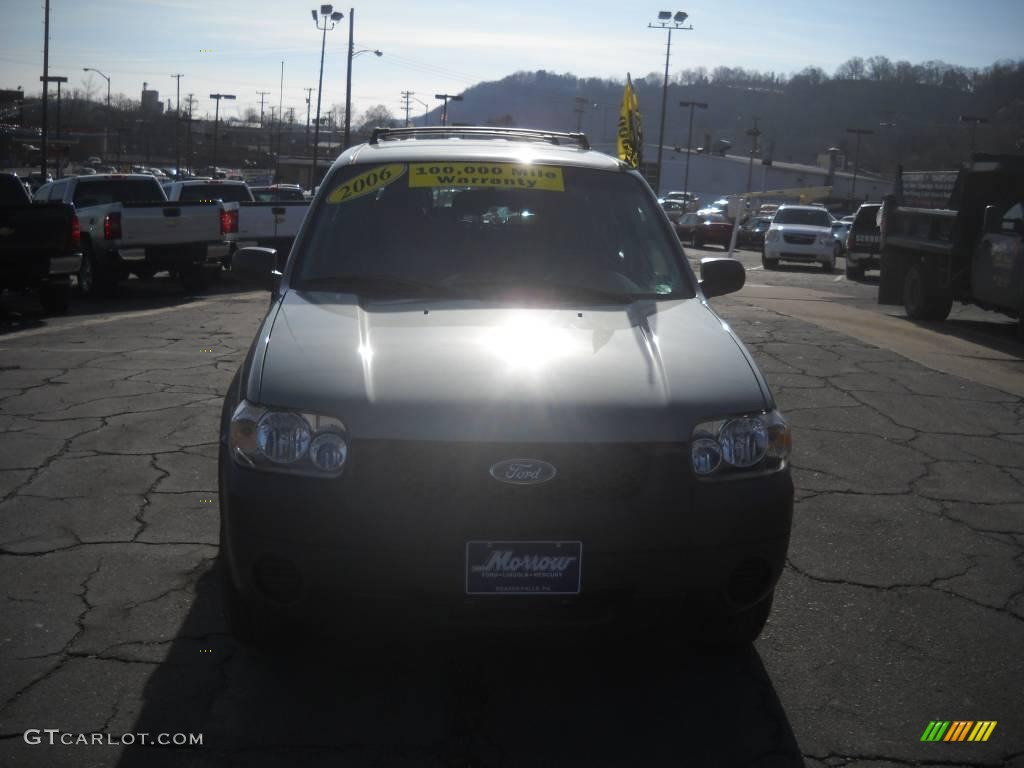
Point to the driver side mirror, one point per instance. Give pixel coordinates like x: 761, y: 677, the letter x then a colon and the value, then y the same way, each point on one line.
x: 721, y: 276
x: 256, y: 266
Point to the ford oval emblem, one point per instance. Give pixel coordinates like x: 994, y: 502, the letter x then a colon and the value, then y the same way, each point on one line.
x: 523, y: 471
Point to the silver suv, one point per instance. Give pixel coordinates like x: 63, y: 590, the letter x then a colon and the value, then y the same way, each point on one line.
x: 800, y: 233
x: 489, y: 388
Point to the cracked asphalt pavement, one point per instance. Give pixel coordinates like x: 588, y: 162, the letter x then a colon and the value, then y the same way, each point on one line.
x: 902, y: 601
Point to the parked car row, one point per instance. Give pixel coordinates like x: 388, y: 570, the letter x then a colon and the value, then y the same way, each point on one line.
x: 102, y: 228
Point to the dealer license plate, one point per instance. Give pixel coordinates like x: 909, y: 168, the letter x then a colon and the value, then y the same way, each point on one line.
x: 523, y: 567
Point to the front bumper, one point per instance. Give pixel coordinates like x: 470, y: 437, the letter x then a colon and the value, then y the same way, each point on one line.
x: 864, y: 259
x: 318, y: 548
x: 815, y: 252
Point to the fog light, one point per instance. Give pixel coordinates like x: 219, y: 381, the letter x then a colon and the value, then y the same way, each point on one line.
x: 328, y: 451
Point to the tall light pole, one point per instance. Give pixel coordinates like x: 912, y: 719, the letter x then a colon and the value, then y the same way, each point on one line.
x: 446, y: 97
x: 177, y: 125
x: 888, y: 125
x: 331, y: 17
x: 216, y: 117
x: 667, y: 21
x: 689, y: 136
x: 348, y: 82
x: 106, y: 127
x: 975, y: 122
x: 753, y: 133
x: 856, y: 156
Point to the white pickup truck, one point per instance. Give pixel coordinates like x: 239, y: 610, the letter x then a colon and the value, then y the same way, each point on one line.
x: 128, y: 226
x: 272, y: 224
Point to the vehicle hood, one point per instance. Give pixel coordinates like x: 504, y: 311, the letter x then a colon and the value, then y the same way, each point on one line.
x: 469, y: 370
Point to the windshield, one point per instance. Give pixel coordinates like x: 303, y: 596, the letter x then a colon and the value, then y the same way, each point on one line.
x: 802, y: 216
x: 277, y: 195
x: 228, y: 193
x: 483, y: 228
x: 103, y: 191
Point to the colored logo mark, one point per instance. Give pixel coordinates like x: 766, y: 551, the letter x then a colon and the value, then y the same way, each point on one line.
x: 958, y: 730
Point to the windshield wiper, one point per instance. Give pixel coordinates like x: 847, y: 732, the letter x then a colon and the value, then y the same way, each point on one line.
x: 387, y: 285
x: 568, y: 290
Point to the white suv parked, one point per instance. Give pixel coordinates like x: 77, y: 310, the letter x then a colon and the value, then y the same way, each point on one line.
x: 800, y: 233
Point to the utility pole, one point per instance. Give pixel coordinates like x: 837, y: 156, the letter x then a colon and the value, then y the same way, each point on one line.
x: 888, y: 124
x: 177, y: 124
x: 753, y: 133
x: 856, y: 156
x: 407, y: 104
x: 308, y: 92
x: 262, y: 95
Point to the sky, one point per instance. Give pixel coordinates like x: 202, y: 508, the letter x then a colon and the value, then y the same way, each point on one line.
x: 445, y: 46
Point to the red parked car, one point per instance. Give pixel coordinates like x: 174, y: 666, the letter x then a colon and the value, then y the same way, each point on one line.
x: 698, y: 230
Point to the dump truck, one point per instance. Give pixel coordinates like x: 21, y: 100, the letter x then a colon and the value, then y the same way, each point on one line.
x: 971, y: 251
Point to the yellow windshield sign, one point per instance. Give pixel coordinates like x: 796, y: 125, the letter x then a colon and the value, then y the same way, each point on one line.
x: 503, y: 175
x: 367, y: 182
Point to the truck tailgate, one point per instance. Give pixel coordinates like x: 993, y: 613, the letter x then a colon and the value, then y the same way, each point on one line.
x: 147, y: 224
x: 274, y: 220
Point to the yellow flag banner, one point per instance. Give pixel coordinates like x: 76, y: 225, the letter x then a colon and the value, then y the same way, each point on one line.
x: 630, y: 134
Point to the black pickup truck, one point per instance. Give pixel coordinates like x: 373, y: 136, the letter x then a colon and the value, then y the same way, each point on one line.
x: 971, y: 251
x: 39, y: 245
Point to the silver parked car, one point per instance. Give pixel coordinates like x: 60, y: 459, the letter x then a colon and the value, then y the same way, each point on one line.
x: 489, y: 387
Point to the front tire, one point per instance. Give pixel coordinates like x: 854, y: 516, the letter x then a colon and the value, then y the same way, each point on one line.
x: 768, y: 263
x: 918, y: 302
x: 854, y: 271
x: 731, y: 633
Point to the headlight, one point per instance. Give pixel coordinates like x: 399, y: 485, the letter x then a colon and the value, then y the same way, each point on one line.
x: 773, y: 235
x: 826, y: 239
x: 287, y: 441
x: 742, y: 445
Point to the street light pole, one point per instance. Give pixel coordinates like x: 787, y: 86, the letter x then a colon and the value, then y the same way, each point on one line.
x: 177, y: 127
x: 667, y: 21
x: 753, y: 133
x: 106, y: 128
x: 216, y: 117
x: 446, y: 97
x: 348, y: 81
x: 856, y: 156
x: 333, y: 17
x: 425, y: 108
x: 689, y: 136
x: 308, y: 102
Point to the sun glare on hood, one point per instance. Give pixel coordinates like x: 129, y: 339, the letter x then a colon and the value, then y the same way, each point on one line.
x: 528, y: 342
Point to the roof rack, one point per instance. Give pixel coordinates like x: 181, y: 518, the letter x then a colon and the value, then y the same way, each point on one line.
x: 478, y: 132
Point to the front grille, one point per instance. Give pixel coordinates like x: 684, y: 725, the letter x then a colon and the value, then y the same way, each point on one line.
x: 417, y: 491
x: 795, y: 239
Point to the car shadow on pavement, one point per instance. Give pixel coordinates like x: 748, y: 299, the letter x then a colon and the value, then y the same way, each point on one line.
x: 22, y: 311
x: 444, y: 699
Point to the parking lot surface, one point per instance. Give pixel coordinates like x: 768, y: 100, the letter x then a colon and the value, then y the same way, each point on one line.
x: 902, y: 602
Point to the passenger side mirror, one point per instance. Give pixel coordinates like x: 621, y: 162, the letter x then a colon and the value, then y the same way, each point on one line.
x: 256, y: 266
x: 993, y: 219
x: 721, y: 276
